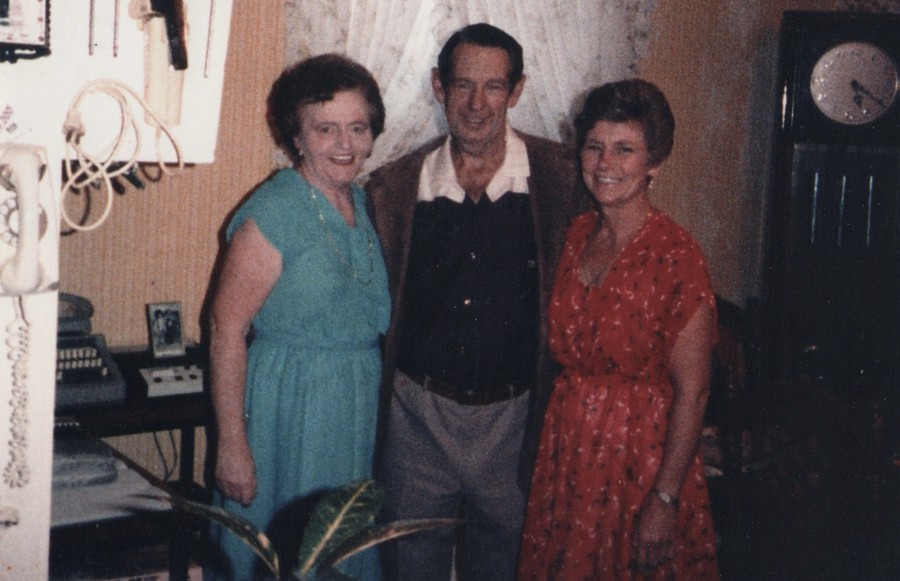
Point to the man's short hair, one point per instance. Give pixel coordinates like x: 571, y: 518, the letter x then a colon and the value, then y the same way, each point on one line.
x: 482, y: 34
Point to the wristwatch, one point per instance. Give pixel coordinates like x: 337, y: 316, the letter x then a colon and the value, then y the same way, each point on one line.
x: 666, y: 497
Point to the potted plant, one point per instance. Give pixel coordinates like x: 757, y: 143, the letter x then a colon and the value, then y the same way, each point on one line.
x: 340, y: 526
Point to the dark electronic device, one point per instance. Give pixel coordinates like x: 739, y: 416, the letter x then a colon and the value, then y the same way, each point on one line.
x: 25, y: 28
x: 86, y: 373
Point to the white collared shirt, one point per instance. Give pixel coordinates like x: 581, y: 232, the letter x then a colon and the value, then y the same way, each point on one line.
x: 438, y: 177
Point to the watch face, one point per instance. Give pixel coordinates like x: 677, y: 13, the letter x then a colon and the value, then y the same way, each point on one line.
x: 854, y: 83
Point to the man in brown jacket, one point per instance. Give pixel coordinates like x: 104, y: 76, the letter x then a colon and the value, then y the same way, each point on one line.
x: 471, y: 226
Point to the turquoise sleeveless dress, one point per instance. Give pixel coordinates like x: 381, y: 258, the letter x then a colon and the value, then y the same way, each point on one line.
x: 314, y: 364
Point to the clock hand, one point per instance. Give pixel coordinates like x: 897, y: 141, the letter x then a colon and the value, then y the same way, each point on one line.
x: 859, y: 89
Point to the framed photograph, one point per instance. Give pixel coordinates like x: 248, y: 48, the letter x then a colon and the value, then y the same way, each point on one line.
x: 164, y: 326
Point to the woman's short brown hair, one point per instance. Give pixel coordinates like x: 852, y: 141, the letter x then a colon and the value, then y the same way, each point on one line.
x: 630, y: 100
x: 316, y: 80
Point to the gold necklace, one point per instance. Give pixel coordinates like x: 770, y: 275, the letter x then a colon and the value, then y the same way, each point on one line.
x: 337, y: 251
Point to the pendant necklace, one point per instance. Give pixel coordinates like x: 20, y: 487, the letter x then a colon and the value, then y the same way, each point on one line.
x: 337, y: 251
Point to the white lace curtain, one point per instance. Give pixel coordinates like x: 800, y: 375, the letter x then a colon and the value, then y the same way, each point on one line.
x: 570, y: 46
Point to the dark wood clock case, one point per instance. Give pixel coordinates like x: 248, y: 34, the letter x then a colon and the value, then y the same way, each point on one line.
x: 805, y: 36
x: 831, y: 288
x: 827, y: 392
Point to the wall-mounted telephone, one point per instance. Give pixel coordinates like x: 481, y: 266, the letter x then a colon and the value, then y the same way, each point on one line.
x: 27, y: 206
x: 25, y: 198
x: 86, y: 373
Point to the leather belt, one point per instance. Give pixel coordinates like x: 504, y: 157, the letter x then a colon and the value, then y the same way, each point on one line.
x: 467, y: 396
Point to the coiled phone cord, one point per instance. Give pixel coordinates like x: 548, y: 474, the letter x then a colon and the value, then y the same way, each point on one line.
x: 17, y: 474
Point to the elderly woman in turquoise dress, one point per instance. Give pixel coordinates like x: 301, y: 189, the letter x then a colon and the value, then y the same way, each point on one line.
x: 300, y: 304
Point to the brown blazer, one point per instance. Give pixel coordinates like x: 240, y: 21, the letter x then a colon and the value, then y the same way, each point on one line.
x: 556, y: 192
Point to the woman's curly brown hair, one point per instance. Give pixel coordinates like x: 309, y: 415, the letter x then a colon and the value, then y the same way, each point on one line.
x: 316, y: 80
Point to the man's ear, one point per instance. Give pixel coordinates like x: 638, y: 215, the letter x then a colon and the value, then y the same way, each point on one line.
x: 516, y: 92
x: 436, y: 85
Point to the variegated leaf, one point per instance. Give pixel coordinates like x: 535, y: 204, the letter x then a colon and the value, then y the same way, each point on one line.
x: 343, y: 513
x: 245, y: 530
x: 375, y: 535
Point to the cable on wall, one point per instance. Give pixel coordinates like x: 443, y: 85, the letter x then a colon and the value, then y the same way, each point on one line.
x: 83, y: 170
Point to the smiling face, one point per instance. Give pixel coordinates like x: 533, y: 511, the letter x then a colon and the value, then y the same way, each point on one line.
x: 615, y: 163
x: 335, y: 139
x: 477, y: 96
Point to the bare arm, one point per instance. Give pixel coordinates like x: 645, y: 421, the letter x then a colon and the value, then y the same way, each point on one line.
x: 690, y: 366
x: 249, y: 271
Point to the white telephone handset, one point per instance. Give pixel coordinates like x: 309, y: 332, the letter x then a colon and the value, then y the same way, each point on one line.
x: 21, y: 170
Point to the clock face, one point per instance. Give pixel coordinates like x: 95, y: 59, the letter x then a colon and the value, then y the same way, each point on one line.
x: 854, y: 83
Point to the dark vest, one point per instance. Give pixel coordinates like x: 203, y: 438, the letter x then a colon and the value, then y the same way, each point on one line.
x: 471, y: 300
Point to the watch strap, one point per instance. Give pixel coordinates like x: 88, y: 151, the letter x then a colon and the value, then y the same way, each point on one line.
x: 666, y: 497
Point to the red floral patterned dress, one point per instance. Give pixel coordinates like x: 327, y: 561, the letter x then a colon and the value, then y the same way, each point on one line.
x: 605, y: 425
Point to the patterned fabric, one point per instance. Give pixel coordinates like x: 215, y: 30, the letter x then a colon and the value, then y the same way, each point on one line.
x: 605, y: 425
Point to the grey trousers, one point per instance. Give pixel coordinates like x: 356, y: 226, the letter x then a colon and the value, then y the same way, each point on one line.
x: 440, y: 458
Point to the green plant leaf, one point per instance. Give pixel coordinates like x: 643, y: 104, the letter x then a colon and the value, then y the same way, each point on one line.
x: 372, y: 536
x: 244, y: 529
x: 341, y: 514
x: 330, y: 574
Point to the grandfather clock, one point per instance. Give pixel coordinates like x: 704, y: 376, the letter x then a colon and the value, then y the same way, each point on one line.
x: 831, y: 293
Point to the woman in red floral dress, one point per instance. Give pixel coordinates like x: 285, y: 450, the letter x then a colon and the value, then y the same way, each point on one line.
x: 618, y: 490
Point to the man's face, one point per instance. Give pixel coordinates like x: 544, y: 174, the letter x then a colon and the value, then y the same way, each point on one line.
x: 477, y: 96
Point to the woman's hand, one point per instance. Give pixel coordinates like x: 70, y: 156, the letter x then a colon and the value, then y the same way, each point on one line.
x: 236, y: 473
x: 654, y: 533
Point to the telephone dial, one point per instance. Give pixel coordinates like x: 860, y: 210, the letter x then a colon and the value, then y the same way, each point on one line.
x: 26, y: 208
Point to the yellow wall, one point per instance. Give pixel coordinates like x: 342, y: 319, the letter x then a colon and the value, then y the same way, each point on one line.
x: 715, y: 59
